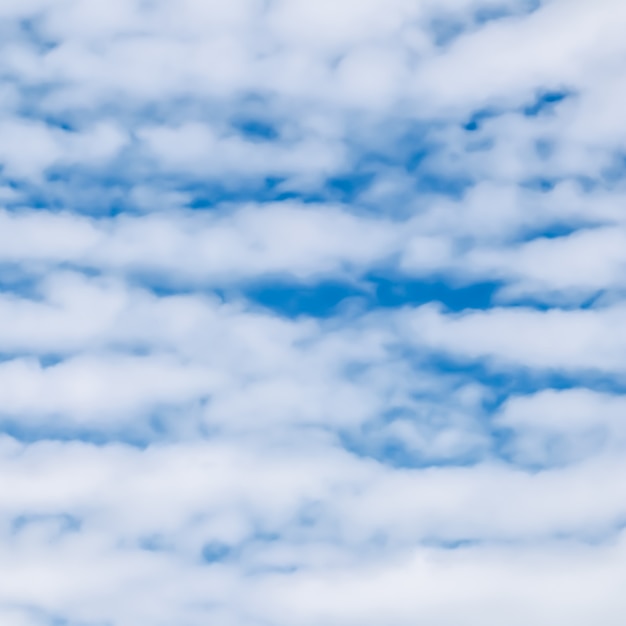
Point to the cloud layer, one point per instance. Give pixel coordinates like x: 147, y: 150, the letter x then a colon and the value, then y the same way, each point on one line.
x: 312, y: 313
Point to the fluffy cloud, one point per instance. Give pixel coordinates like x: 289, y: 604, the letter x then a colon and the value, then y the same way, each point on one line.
x: 311, y: 312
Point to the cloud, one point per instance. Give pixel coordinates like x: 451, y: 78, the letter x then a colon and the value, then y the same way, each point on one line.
x: 311, y: 312
x: 563, y: 426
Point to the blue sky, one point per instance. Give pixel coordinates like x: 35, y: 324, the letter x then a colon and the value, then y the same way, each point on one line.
x: 312, y: 313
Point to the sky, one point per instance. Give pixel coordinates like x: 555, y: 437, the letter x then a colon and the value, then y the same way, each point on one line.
x: 312, y: 312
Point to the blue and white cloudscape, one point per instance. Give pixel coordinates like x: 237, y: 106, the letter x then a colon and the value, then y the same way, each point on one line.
x: 312, y: 312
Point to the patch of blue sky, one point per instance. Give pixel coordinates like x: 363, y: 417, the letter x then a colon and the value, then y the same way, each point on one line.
x: 325, y: 298
x: 545, y: 102
x: 556, y: 229
x: 292, y: 300
x: 256, y: 129
x: 395, y: 291
x: 216, y: 552
x: 348, y: 187
x: 478, y: 118
x: 581, y: 299
x: 450, y: 186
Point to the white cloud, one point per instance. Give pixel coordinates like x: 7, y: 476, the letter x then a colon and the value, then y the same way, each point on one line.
x: 174, y: 453
x: 568, y: 340
x: 252, y: 241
